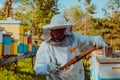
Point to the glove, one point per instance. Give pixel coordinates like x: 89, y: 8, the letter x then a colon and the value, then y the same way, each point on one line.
x: 53, y: 67
x: 98, y: 42
x: 41, y: 69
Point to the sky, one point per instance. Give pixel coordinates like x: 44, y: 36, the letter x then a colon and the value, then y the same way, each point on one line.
x: 66, y: 4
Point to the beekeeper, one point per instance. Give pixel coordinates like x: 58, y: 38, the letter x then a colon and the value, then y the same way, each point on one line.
x: 59, y: 46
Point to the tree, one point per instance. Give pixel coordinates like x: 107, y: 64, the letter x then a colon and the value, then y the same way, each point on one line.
x: 7, y: 10
x: 82, y: 18
x: 75, y: 15
x: 112, y: 12
x: 8, y: 6
x: 89, y: 10
x: 36, y: 13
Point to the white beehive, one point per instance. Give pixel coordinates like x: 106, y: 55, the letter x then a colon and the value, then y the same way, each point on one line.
x: 104, y: 68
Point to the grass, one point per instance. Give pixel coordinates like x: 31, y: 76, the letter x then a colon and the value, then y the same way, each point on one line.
x: 24, y: 71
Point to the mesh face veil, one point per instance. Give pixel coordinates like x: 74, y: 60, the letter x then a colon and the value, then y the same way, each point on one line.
x: 58, y: 21
x: 47, y: 33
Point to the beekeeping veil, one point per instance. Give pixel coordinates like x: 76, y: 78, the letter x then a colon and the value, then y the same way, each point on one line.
x: 57, y: 21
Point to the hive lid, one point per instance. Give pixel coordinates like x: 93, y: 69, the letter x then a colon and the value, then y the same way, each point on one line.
x: 109, y: 60
x: 10, y: 21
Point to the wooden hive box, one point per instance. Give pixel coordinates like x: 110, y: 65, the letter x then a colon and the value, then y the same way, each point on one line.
x: 104, y: 68
x: 13, y: 26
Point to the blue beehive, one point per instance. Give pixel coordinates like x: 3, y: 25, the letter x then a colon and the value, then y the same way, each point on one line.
x: 1, y: 41
x: 33, y: 49
x: 6, y: 39
x: 6, y: 44
x: 20, y: 48
x: 25, y: 50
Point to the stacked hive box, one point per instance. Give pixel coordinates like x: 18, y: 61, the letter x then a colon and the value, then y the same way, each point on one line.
x: 1, y: 37
x: 104, y: 68
x: 13, y: 26
x: 29, y: 41
x: 6, y: 44
x: 25, y: 50
x: 25, y: 46
x: 19, y: 43
x: 13, y: 47
x: 34, y: 49
x: 109, y: 70
x: 21, y: 47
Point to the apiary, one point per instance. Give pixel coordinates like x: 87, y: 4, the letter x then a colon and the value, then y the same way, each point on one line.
x: 17, y: 42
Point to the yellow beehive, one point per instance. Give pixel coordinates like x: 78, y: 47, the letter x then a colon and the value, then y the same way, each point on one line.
x: 21, y: 29
x: 13, y: 26
x: 0, y: 50
x: 30, y: 47
x: 21, y: 40
x: 25, y: 39
x: 1, y: 37
x: 13, y: 48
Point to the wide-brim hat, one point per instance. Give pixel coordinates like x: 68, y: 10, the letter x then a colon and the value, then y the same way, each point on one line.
x: 58, y: 21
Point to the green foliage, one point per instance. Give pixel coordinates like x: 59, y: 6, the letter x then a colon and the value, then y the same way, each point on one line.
x: 75, y: 15
x: 91, y: 9
x: 112, y: 24
x: 36, y: 13
x: 108, y: 27
x: 24, y: 71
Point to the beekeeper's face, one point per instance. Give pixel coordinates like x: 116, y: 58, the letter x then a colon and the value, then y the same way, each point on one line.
x: 58, y: 34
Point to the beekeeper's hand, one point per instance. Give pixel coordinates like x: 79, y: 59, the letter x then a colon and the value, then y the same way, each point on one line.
x: 41, y: 69
x: 99, y: 42
x: 52, y: 67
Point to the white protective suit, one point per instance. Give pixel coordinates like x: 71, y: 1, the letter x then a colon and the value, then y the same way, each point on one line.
x: 61, y: 52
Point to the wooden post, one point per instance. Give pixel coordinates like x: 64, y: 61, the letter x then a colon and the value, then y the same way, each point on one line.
x: 16, y: 66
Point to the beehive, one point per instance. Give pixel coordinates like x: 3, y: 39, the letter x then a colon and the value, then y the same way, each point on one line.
x: 1, y: 37
x: 104, y: 68
x: 13, y: 26
x: 13, y: 47
x: 34, y: 49
x: 6, y: 44
x: 109, y: 69
x: 29, y: 38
